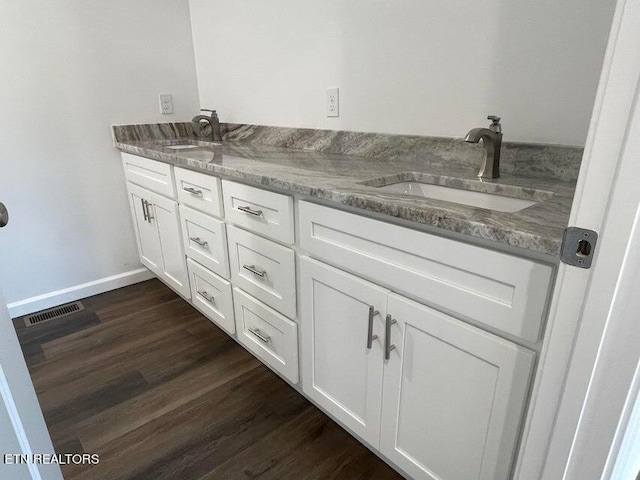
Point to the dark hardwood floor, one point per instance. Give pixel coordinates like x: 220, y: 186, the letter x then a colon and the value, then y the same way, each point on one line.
x: 159, y: 392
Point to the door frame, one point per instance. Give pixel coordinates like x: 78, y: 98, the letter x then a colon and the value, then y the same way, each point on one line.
x: 576, y: 347
x: 19, y: 397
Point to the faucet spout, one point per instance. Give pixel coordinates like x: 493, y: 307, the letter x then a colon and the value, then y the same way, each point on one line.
x: 492, y: 142
x: 212, y: 120
x: 476, y: 134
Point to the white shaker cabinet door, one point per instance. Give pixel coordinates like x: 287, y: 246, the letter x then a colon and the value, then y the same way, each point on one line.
x: 159, y: 239
x: 147, y: 237
x: 453, y: 396
x: 341, y: 366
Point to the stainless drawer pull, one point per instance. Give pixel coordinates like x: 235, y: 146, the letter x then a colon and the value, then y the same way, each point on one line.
x: 248, y: 210
x: 206, y: 296
x: 144, y: 209
x: 260, y: 335
x: 192, y: 191
x: 255, y: 271
x: 202, y: 243
x: 387, y: 339
x: 370, y: 336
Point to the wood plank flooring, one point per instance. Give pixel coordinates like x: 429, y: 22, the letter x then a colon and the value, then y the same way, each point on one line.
x: 159, y: 392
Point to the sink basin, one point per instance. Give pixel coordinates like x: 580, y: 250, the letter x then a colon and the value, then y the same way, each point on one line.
x: 203, y: 151
x: 490, y: 201
x: 181, y: 147
x: 186, y: 144
x: 201, y: 155
x: 474, y: 193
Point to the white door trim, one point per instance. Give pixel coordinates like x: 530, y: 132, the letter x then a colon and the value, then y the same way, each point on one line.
x: 607, y: 348
x: 550, y: 429
x: 18, y: 396
x: 16, y: 423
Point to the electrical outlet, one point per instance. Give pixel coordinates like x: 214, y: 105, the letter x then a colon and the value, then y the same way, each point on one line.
x: 166, y: 103
x: 333, y: 102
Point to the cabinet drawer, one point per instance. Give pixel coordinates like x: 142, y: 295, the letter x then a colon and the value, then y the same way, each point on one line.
x: 205, y: 240
x: 267, y: 213
x: 211, y: 295
x: 200, y: 191
x: 270, y: 336
x: 497, y: 289
x: 264, y: 269
x: 150, y: 174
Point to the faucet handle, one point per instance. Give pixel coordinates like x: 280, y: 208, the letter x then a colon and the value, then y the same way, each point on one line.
x: 207, y: 110
x: 495, y: 123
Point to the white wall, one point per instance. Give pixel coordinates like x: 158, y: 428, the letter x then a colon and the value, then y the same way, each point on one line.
x: 68, y: 70
x: 414, y: 66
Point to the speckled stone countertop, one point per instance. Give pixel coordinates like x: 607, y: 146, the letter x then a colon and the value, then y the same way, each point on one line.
x: 339, y: 178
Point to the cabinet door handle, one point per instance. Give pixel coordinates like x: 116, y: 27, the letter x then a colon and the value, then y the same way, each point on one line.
x: 192, y: 191
x: 387, y: 337
x: 370, y: 336
x: 255, y: 271
x: 144, y: 209
x: 250, y: 211
x: 206, y: 296
x: 149, y: 217
x: 202, y: 243
x: 264, y: 338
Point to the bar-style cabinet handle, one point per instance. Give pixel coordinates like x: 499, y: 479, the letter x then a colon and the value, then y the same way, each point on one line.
x: 192, y: 191
x: 254, y: 270
x: 250, y: 211
x: 144, y: 209
x: 149, y: 216
x: 264, y: 338
x: 202, y: 243
x: 370, y: 336
x: 387, y: 338
x: 204, y: 294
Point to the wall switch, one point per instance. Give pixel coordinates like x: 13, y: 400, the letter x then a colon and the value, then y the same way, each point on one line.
x: 333, y: 102
x: 166, y: 103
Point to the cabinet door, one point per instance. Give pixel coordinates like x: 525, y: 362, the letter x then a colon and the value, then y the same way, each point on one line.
x: 453, y: 396
x: 147, y: 237
x: 164, y: 213
x: 340, y: 371
x: 159, y: 239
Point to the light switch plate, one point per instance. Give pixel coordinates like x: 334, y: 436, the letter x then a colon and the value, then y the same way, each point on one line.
x: 166, y: 103
x: 333, y: 102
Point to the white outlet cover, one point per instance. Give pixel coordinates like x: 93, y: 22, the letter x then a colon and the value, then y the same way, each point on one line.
x: 333, y: 102
x: 166, y: 103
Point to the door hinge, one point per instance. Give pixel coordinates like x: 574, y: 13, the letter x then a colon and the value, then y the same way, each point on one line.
x: 578, y: 246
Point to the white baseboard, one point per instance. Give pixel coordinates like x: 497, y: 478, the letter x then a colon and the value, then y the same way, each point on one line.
x: 77, y: 292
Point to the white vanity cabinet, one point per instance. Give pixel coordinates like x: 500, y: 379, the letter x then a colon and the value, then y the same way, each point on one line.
x: 157, y: 230
x: 447, y: 402
x: 421, y: 381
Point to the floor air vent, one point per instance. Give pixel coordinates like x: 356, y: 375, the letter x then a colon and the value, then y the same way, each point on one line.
x: 50, y: 314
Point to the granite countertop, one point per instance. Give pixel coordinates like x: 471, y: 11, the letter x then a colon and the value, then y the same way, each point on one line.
x: 338, y: 178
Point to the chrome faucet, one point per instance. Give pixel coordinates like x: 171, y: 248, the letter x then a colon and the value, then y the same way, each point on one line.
x: 212, y: 120
x: 492, y: 142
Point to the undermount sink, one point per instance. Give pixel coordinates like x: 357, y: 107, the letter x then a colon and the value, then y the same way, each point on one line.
x: 473, y: 193
x: 187, y: 144
x: 181, y: 147
x: 191, y: 148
